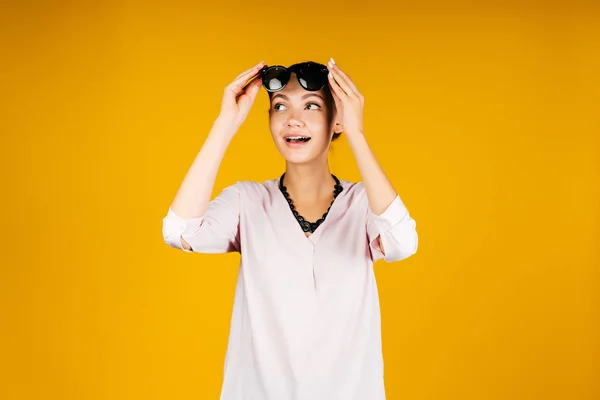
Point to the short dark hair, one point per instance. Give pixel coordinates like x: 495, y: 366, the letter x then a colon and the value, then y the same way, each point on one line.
x: 329, y: 100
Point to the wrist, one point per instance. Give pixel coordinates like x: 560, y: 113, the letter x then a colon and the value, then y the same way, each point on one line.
x: 225, y: 125
x: 357, y: 141
x: 352, y: 134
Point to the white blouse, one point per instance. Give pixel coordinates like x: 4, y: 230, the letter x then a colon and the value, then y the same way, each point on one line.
x: 306, y: 318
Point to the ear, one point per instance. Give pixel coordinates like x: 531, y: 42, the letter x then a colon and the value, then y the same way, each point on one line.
x: 337, y: 127
x: 336, y: 120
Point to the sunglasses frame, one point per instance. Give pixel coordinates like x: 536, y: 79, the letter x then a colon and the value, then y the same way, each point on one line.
x: 298, y: 70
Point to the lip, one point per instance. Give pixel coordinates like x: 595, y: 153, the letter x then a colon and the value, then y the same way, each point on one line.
x: 295, y: 145
x: 287, y: 135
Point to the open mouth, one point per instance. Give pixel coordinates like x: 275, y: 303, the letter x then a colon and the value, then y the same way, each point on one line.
x: 297, y: 139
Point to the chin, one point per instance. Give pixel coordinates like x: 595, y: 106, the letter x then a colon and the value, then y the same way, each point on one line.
x: 297, y: 157
x: 304, y: 155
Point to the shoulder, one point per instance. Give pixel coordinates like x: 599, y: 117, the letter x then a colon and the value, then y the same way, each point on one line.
x: 353, y: 191
x: 254, y: 189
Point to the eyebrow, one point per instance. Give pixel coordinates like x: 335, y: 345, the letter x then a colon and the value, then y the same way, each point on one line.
x: 283, y: 96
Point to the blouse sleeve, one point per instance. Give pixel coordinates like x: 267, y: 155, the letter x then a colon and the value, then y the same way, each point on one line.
x: 217, y: 231
x: 397, y: 230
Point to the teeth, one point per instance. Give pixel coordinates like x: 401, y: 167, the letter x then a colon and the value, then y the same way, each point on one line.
x: 300, y: 139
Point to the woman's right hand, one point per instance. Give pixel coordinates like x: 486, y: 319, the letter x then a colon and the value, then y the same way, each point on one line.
x: 237, y: 99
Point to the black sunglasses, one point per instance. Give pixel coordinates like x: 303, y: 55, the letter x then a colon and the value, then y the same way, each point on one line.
x: 311, y: 76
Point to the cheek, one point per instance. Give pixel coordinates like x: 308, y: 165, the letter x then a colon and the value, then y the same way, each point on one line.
x: 318, y: 125
x: 276, y: 120
x: 274, y: 124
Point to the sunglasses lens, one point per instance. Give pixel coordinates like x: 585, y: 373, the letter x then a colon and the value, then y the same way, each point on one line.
x: 312, y: 78
x: 275, y: 79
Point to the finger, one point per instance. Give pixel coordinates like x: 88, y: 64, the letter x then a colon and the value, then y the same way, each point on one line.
x: 244, y: 79
x: 249, y: 93
x: 249, y: 70
x: 241, y: 80
x: 343, y: 79
x: 336, y: 97
x: 246, y: 100
x: 256, y: 81
x: 253, y: 88
x: 347, y: 91
x: 238, y: 87
x: 335, y: 86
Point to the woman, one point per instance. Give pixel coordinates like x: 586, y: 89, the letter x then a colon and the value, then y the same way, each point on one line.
x: 306, y: 318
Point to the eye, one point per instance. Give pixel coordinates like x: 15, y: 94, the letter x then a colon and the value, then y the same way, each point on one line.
x: 276, y: 106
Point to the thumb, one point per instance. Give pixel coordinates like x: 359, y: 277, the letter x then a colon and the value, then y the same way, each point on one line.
x: 254, y: 89
x: 247, y: 99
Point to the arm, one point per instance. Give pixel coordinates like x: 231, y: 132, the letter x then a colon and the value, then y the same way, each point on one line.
x: 193, y: 196
x: 192, y: 214
x: 190, y: 207
x: 380, y: 191
x: 390, y: 229
x: 216, y: 231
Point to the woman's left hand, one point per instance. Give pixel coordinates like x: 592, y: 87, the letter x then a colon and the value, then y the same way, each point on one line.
x: 348, y: 100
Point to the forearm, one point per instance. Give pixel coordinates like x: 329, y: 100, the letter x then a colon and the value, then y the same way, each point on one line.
x: 195, y: 191
x: 379, y: 189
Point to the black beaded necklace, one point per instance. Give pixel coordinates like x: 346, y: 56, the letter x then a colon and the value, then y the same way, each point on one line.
x: 304, y: 224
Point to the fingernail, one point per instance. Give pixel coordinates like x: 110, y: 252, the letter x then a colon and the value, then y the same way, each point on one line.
x: 332, y: 60
x: 329, y: 75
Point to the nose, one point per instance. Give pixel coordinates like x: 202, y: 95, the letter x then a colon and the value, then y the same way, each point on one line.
x: 294, y: 118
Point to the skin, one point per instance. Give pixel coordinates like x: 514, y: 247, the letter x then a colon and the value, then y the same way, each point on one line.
x: 308, y: 178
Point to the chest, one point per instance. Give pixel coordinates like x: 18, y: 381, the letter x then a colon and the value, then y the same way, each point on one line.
x: 314, y: 210
x: 276, y: 250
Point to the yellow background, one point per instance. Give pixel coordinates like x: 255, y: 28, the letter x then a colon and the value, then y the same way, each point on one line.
x: 484, y: 116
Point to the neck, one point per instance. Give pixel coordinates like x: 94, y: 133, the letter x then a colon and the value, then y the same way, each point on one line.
x: 308, y: 183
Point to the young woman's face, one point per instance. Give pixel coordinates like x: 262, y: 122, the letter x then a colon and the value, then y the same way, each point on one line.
x: 296, y: 112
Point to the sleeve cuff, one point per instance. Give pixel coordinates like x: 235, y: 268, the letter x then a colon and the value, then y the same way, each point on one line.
x: 392, y: 215
x: 381, y: 226
x: 177, y: 227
